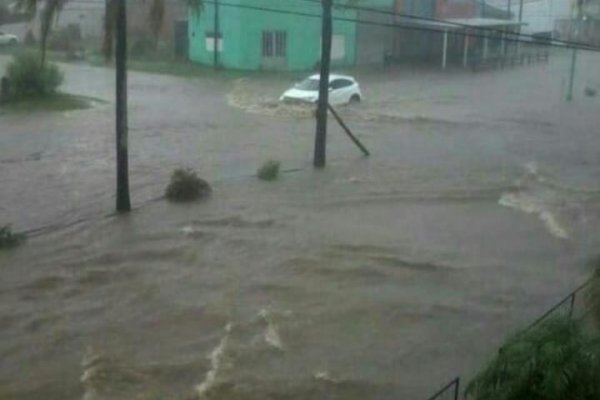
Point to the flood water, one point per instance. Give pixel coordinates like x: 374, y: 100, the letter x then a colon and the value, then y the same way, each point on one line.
x: 380, y: 277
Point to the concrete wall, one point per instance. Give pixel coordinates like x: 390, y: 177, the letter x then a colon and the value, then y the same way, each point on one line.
x: 242, y: 28
x: 455, y: 9
x: 373, y: 41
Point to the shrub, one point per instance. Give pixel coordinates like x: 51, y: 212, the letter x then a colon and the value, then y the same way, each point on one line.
x: 269, y: 171
x: 593, y: 291
x: 9, y: 239
x: 185, y: 185
x: 553, y: 360
x: 26, y: 77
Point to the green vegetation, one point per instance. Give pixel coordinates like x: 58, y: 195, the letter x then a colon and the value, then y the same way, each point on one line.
x: 593, y: 292
x: 269, y: 171
x: 185, y: 185
x: 26, y: 77
x: 30, y: 86
x: 8, y: 239
x: 56, y: 102
x: 553, y: 360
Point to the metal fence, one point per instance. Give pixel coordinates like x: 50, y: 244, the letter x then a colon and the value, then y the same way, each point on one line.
x: 572, y: 306
x: 448, y: 392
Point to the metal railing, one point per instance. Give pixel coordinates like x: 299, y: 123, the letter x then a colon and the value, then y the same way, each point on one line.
x: 572, y: 306
x: 568, y: 306
x: 448, y: 392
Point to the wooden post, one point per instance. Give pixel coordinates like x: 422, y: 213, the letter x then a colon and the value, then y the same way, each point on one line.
x: 321, y: 128
x: 123, y: 201
x: 445, y: 50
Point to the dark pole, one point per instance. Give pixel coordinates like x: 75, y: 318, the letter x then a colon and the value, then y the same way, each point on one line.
x: 321, y: 130
x: 123, y: 202
x: 509, y: 6
x: 520, y: 14
x: 216, y: 36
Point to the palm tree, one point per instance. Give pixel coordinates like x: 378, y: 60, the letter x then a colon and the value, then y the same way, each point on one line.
x: 48, y: 16
x: 554, y: 360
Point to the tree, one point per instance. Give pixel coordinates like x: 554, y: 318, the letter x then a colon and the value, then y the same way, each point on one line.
x: 156, y: 18
x: 554, y: 360
x: 156, y: 15
x: 48, y: 16
x: 4, y: 13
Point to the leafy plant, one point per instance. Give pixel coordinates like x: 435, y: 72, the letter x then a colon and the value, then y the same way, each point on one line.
x: 48, y: 16
x: 26, y: 77
x: 269, y: 171
x: 8, y: 239
x: 185, y: 185
x: 553, y: 360
x: 592, y: 295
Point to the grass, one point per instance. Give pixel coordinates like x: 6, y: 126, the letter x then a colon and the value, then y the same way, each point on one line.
x: 55, y: 102
x: 8, y: 239
x: 269, y: 171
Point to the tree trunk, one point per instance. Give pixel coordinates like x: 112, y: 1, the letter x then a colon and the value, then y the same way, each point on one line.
x: 321, y: 128
x: 123, y: 202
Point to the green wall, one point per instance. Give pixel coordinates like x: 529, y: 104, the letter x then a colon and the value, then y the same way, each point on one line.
x: 242, y: 33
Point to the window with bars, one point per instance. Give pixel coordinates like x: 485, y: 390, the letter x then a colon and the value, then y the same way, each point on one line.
x: 274, y: 43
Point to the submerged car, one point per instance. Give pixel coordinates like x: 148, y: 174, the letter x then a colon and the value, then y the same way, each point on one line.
x: 343, y: 89
x: 8, y: 39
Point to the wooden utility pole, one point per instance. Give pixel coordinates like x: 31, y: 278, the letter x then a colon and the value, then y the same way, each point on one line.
x: 216, y: 36
x: 321, y: 128
x: 123, y: 202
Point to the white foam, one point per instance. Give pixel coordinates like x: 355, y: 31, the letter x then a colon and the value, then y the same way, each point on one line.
x: 216, y: 359
x: 271, y: 335
x: 529, y: 205
x: 188, y: 230
x: 324, y: 375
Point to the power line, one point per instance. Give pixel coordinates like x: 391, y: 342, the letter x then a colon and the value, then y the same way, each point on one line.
x: 512, y: 37
x: 435, y: 20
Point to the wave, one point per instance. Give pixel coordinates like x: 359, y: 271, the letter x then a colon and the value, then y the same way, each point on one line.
x: 530, y: 205
x: 216, y: 359
x: 271, y: 334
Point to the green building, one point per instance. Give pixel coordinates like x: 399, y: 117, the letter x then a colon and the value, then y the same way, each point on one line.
x: 284, y: 34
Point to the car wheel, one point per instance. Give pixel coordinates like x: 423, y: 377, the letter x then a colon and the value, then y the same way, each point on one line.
x: 355, y: 99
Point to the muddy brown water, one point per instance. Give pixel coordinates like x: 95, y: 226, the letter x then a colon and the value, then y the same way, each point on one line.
x: 376, y: 278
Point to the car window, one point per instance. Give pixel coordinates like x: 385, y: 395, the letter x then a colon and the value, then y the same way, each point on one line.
x: 341, y: 83
x: 308, y: 84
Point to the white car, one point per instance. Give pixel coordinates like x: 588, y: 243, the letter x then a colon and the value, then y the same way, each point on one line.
x: 7, y: 38
x: 343, y: 89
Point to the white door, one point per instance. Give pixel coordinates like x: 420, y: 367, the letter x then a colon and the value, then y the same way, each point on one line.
x: 341, y: 91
